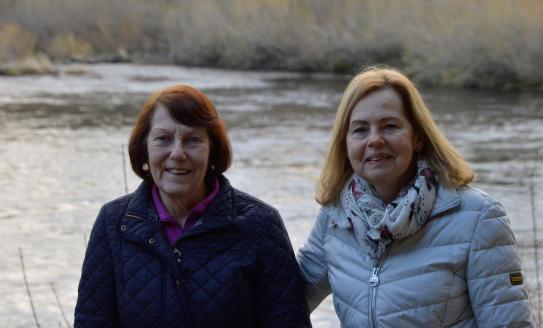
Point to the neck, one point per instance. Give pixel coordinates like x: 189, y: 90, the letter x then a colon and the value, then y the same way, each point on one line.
x: 180, y: 206
x: 387, y: 194
x: 389, y: 190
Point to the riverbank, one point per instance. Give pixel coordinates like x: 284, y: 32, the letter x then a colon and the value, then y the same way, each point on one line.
x: 488, y: 44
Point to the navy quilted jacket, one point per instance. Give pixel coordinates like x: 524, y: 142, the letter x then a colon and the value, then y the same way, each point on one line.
x: 236, y: 268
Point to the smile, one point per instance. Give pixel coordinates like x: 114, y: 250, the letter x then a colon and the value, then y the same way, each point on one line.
x: 377, y: 158
x: 177, y: 171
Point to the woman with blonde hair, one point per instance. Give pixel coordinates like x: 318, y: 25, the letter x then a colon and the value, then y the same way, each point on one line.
x: 402, y: 240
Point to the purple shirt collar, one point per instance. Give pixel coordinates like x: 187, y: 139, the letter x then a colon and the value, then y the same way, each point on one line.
x: 172, y: 229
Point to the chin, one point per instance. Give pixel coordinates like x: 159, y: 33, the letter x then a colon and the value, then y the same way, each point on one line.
x: 175, y: 191
x: 375, y: 175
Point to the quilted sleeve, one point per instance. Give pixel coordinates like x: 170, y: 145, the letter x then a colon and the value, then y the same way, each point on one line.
x: 96, y: 302
x: 313, y: 264
x: 496, y: 289
x: 280, y: 289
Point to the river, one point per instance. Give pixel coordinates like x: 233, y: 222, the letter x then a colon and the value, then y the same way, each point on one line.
x: 62, y: 140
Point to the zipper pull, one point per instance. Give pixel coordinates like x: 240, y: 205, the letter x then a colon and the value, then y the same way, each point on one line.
x: 176, y: 252
x: 374, y: 279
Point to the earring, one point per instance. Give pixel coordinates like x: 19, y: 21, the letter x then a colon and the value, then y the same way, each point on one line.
x: 212, y: 167
x: 145, y: 167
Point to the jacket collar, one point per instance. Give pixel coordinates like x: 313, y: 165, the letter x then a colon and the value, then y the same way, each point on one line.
x: 140, y: 223
x: 141, y: 203
x: 222, y: 210
x: 446, y: 199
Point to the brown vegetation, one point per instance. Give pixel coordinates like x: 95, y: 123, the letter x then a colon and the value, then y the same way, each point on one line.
x: 474, y: 43
x: 15, y: 42
x: 67, y: 46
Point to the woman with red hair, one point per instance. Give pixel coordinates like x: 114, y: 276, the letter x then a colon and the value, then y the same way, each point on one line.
x: 186, y: 249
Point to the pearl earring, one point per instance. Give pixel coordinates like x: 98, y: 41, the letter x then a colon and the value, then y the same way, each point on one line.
x: 146, y: 167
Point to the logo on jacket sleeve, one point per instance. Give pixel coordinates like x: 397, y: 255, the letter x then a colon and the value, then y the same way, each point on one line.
x: 515, y: 278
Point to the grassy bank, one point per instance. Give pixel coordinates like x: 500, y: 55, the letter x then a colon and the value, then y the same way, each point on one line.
x: 472, y: 43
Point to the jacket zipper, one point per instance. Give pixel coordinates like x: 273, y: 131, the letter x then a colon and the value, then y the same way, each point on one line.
x: 374, y: 282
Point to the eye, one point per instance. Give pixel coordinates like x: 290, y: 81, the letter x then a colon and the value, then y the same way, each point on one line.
x: 390, y: 127
x: 194, y: 139
x: 162, y: 137
x: 360, y: 130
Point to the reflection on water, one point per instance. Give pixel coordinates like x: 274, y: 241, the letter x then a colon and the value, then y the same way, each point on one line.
x: 61, y: 137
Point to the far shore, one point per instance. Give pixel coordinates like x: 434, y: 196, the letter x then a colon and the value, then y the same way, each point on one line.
x: 41, y: 64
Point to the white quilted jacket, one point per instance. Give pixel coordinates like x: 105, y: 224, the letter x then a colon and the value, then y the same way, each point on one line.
x: 459, y: 270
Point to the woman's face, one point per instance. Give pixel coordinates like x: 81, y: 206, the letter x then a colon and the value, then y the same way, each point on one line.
x: 178, y: 159
x: 381, y: 142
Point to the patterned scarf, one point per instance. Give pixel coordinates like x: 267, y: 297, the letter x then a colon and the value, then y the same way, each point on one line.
x: 375, y: 223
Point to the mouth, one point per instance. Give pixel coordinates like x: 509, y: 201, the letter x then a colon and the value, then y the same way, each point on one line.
x: 376, y: 158
x: 177, y: 171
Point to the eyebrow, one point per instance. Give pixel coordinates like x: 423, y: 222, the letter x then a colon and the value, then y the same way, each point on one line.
x: 190, y: 131
x: 159, y: 129
x: 384, y: 119
x: 196, y: 130
x: 358, y: 122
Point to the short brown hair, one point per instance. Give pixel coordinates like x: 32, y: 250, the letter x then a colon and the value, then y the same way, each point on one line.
x: 189, y: 106
x: 450, y: 166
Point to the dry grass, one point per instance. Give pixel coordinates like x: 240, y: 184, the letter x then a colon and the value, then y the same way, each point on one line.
x: 15, y: 42
x: 474, y: 43
x: 68, y: 47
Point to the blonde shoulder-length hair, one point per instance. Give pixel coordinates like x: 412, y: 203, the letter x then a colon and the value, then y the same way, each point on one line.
x: 450, y: 166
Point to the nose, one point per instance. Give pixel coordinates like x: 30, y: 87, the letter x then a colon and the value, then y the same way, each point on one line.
x: 375, y: 139
x: 178, y: 151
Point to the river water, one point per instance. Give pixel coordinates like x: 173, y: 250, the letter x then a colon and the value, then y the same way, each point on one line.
x: 62, y: 140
